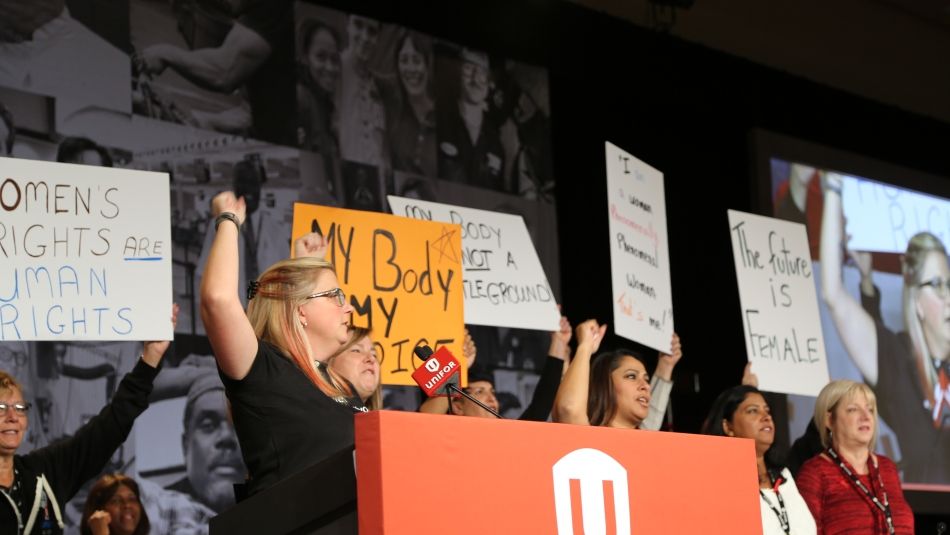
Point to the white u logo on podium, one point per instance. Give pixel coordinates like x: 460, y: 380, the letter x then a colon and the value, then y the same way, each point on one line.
x: 591, y: 467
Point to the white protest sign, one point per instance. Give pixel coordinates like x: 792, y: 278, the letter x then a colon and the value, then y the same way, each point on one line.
x: 883, y: 218
x: 779, y: 304
x: 639, y: 252
x: 86, y: 253
x: 503, y: 282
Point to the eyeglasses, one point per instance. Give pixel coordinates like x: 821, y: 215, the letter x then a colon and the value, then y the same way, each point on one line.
x: 336, y: 292
x: 940, y: 286
x: 20, y: 408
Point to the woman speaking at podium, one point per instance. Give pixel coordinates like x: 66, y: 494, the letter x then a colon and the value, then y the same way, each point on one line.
x: 285, y: 411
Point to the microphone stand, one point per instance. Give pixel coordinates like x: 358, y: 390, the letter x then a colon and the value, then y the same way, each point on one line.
x: 469, y: 397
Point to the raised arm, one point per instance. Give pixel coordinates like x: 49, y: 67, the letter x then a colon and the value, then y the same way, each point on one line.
x: 854, y: 325
x: 542, y: 400
x: 570, y: 404
x: 222, y: 69
x: 229, y: 331
x: 661, y: 385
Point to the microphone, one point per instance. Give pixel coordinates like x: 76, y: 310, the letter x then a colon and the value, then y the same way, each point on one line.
x: 438, y: 375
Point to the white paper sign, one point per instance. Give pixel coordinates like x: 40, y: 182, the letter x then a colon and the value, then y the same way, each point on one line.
x: 883, y: 218
x: 85, y: 253
x: 503, y: 282
x: 779, y: 304
x: 639, y: 253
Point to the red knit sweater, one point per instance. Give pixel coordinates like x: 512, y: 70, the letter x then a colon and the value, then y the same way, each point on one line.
x: 840, y: 507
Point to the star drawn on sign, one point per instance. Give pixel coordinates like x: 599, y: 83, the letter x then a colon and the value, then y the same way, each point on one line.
x: 443, y: 245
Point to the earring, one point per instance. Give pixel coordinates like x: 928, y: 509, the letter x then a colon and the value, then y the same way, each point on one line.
x: 304, y: 323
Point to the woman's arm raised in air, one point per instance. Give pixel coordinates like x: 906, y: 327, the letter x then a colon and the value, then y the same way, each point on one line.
x: 854, y: 325
x: 228, y: 328
x: 570, y: 405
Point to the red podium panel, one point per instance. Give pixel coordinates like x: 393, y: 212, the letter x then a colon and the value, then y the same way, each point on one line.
x: 420, y: 473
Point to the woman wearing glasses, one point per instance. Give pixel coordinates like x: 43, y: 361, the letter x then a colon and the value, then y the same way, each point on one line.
x: 284, y: 408
x: 908, y: 371
x: 34, y: 487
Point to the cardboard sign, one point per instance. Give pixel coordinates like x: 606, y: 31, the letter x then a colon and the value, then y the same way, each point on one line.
x: 779, y: 304
x: 639, y: 254
x: 402, y: 276
x: 85, y: 253
x: 883, y: 218
x: 503, y: 281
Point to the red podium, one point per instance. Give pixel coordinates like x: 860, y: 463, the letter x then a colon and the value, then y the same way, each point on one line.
x: 421, y: 473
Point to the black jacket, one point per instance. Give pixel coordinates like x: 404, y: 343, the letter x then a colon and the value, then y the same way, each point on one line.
x: 61, y: 468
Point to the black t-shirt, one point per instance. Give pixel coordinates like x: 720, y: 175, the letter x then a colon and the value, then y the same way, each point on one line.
x: 271, y: 89
x: 925, y: 449
x: 283, y: 421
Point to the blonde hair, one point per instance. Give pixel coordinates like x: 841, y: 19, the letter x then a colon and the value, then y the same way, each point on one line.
x: 8, y: 382
x: 375, y: 400
x: 281, y: 289
x: 920, y: 246
x: 827, y: 402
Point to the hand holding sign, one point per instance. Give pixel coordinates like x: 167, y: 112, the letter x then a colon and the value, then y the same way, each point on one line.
x: 402, y: 277
x: 779, y: 304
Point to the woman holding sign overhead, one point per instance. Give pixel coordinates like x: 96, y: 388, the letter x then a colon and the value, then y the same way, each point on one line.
x: 610, y: 389
x: 35, y: 486
x: 908, y: 371
x: 285, y: 411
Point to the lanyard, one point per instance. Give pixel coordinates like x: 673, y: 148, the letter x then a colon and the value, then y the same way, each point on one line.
x: 883, y: 505
x: 780, y: 512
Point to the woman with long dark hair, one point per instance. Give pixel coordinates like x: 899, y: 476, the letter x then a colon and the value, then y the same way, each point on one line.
x: 114, y: 507
x: 742, y: 412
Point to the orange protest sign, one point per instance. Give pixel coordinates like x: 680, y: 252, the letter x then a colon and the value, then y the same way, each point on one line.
x: 402, y: 276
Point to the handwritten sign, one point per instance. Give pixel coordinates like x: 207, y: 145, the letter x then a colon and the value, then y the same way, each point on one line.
x: 503, y: 281
x: 402, y: 276
x: 639, y: 254
x: 779, y: 304
x: 883, y: 218
x: 86, y: 253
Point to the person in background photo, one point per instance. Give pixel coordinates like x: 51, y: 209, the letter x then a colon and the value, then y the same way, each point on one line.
x: 410, y: 107
x: 256, y: 56
x: 84, y: 151
x: 470, y: 149
x: 114, y: 507
x: 848, y: 488
x: 362, y: 116
x: 909, y: 371
x: 318, y: 81
x: 212, y: 457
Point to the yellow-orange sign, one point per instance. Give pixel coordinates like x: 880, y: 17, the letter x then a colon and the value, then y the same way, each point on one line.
x: 402, y: 276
